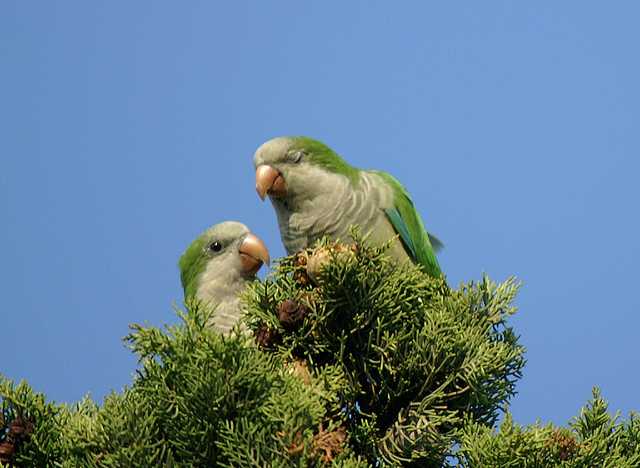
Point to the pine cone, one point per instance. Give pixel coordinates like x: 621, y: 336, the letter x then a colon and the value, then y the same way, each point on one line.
x: 321, y: 256
x: 564, y: 443
x: 301, y: 258
x: 267, y: 337
x: 300, y: 275
x: 6, y: 451
x: 291, y: 314
x: 20, y: 428
x: 316, y: 261
x: 329, y: 442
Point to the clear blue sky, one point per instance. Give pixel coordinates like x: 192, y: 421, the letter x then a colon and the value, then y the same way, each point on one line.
x: 126, y: 128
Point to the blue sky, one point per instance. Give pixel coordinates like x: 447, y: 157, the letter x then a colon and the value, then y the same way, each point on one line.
x: 128, y: 127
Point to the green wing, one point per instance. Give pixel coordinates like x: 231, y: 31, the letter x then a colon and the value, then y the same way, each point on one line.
x: 419, y: 244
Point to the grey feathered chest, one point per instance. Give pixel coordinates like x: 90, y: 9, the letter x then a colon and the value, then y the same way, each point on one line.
x: 222, y: 292
x: 332, y: 212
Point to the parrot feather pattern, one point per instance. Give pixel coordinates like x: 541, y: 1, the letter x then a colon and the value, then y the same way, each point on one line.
x: 316, y: 193
x: 217, y: 267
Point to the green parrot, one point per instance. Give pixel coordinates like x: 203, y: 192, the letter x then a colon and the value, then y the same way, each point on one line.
x: 316, y: 193
x: 218, y: 266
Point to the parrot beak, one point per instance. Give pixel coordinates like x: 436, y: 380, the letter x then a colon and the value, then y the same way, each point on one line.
x: 253, y: 253
x: 269, y: 181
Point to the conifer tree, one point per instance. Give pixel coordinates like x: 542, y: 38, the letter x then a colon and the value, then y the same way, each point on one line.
x: 351, y: 360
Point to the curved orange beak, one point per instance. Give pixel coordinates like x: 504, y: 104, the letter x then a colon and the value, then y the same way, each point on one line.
x: 253, y: 253
x: 269, y: 181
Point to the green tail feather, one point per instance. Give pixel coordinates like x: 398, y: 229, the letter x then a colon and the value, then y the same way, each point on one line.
x: 407, y: 222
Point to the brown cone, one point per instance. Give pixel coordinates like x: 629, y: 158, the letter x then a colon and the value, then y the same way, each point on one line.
x: 267, y: 337
x: 291, y: 314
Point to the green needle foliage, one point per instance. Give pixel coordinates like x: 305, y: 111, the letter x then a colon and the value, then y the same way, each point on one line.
x: 592, y: 439
x: 199, y: 399
x: 417, y: 356
x: 349, y: 360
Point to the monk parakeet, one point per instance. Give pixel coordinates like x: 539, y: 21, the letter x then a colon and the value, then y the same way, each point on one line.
x: 217, y: 267
x: 316, y: 193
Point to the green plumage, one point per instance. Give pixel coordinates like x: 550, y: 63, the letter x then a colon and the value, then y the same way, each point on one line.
x: 191, y: 264
x: 323, y: 156
x: 318, y: 203
x: 403, y: 216
x: 408, y: 224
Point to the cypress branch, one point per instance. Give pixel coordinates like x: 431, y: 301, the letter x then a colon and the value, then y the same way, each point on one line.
x: 349, y: 360
x: 417, y: 356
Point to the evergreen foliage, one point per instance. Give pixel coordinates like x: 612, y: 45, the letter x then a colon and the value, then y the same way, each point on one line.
x: 417, y: 356
x: 199, y: 399
x: 592, y: 439
x: 350, y: 360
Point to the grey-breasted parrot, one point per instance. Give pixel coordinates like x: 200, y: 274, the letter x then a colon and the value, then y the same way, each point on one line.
x: 218, y: 266
x: 316, y: 193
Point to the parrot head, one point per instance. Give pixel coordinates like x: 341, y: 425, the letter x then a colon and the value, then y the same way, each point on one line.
x: 292, y: 170
x: 225, y: 253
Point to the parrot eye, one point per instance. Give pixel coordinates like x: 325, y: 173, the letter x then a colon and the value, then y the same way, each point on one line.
x: 296, y: 157
x: 215, y: 247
